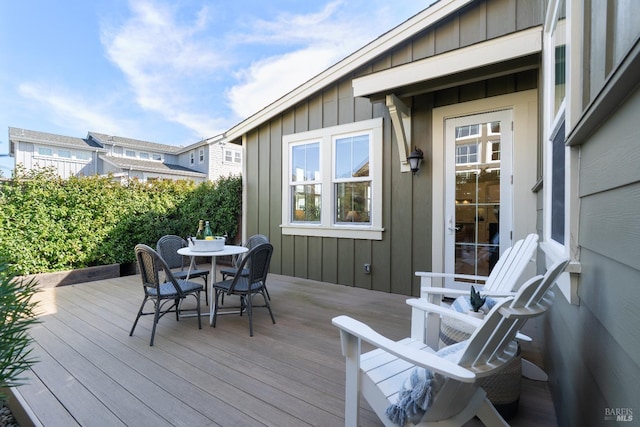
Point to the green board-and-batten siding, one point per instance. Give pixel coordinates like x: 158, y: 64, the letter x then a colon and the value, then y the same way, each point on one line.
x: 594, y: 348
x: 407, y: 202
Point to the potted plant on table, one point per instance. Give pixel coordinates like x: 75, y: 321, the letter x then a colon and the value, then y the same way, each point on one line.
x: 476, y: 301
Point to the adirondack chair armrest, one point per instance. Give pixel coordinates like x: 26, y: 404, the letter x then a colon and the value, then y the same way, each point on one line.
x: 424, y: 359
x: 451, y: 275
x: 427, y: 307
x: 535, y: 310
x: 462, y: 292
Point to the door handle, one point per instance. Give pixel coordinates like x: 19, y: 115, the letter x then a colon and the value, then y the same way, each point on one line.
x: 451, y: 226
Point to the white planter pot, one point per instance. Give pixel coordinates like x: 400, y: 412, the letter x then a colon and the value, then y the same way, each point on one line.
x: 479, y: 314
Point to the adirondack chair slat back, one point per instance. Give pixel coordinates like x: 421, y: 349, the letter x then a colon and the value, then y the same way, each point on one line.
x: 512, y: 264
x: 487, y: 342
x: 550, y: 277
x: 503, y: 322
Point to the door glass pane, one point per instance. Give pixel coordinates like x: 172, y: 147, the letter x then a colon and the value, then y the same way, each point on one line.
x: 477, y: 198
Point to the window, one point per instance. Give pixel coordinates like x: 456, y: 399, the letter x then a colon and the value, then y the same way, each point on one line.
x: 493, y: 128
x: 352, y: 183
x: 331, y: 182
x: 192, y: 158
x: 156, y: 156
x: 558, y: 185
x: 493, y: 151
x: 469, y: 131
x: 466, y: 153
x: 130, y: 153
x: 44, y: 151
x: 144, y: 156
x: 65, y: 154
x: 232, y: 156
x: 82, y: 155
x: 201, y: 155
x: 561, y: 96
x: 306, y: 187
x: 555, y: 126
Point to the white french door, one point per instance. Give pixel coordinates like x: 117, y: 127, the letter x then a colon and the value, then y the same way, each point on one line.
x: 478, y: 194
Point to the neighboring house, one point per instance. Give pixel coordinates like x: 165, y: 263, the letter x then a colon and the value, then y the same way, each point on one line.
x: 124, y: 158
x: 526, y: 112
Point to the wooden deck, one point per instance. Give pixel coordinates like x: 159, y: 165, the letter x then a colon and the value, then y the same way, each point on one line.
x: 91, y: 373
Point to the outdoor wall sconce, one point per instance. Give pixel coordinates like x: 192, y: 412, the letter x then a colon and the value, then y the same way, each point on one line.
x: 415, y: 160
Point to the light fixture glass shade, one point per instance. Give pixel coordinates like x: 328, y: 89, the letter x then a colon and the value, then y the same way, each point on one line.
x: 415, y: 159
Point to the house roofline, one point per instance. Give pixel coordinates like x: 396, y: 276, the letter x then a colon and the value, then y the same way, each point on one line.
x: 409, y: 28
x: 203, y: 143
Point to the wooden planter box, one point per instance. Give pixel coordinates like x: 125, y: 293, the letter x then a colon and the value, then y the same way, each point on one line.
x: 82, y: 275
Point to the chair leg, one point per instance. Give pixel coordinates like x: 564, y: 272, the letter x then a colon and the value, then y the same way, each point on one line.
x: 198, y: 309
x: 249, y: 313
x: 489, y: 415
x: 156, y: 317
x: 215, y: 306
x: 144, y: 301
x: 266, y: 300
x: 206, y: 289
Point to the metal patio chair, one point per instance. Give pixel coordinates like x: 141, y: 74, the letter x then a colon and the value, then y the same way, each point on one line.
x: 166, y: 295
x: 167, y: 247
x: 246, y: 286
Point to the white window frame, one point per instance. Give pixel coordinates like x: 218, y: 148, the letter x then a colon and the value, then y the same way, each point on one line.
x: 192, y: 157
x: 349, y: 180
x: 44, y: 151
x: 230, y: 156
x: 490, y: 151
x: 477, y: 154
x: 327, y: 227
x: 64, y: 153
x: 130, y: 153
x: 82, y: 156
x: 201, y: 155
x: 553, y: 118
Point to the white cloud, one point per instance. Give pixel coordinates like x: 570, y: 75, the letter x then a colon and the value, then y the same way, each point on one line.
x: 179, y: 69
x: 71, y: 111
x: 315, y: 42
x: 266, y: 81
x: 162, y: 59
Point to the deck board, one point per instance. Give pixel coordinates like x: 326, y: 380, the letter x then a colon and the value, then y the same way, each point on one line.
x: 90, y: 372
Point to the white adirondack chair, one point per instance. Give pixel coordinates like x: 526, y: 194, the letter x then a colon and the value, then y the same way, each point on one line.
x: 380, y: 374
x: 500, y: 283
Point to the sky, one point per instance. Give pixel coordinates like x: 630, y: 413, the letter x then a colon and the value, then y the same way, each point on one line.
x: 172, y: 72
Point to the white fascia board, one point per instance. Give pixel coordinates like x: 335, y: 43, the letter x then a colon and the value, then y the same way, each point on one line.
x: 501, y: 49
x: 404, y: 31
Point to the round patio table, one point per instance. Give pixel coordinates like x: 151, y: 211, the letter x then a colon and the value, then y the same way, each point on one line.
x: 227, y: 250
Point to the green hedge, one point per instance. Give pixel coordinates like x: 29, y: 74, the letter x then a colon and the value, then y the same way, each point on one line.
x: 50, y: 224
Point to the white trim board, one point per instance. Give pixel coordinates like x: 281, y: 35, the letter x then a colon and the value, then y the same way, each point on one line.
x: 501, y: 49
